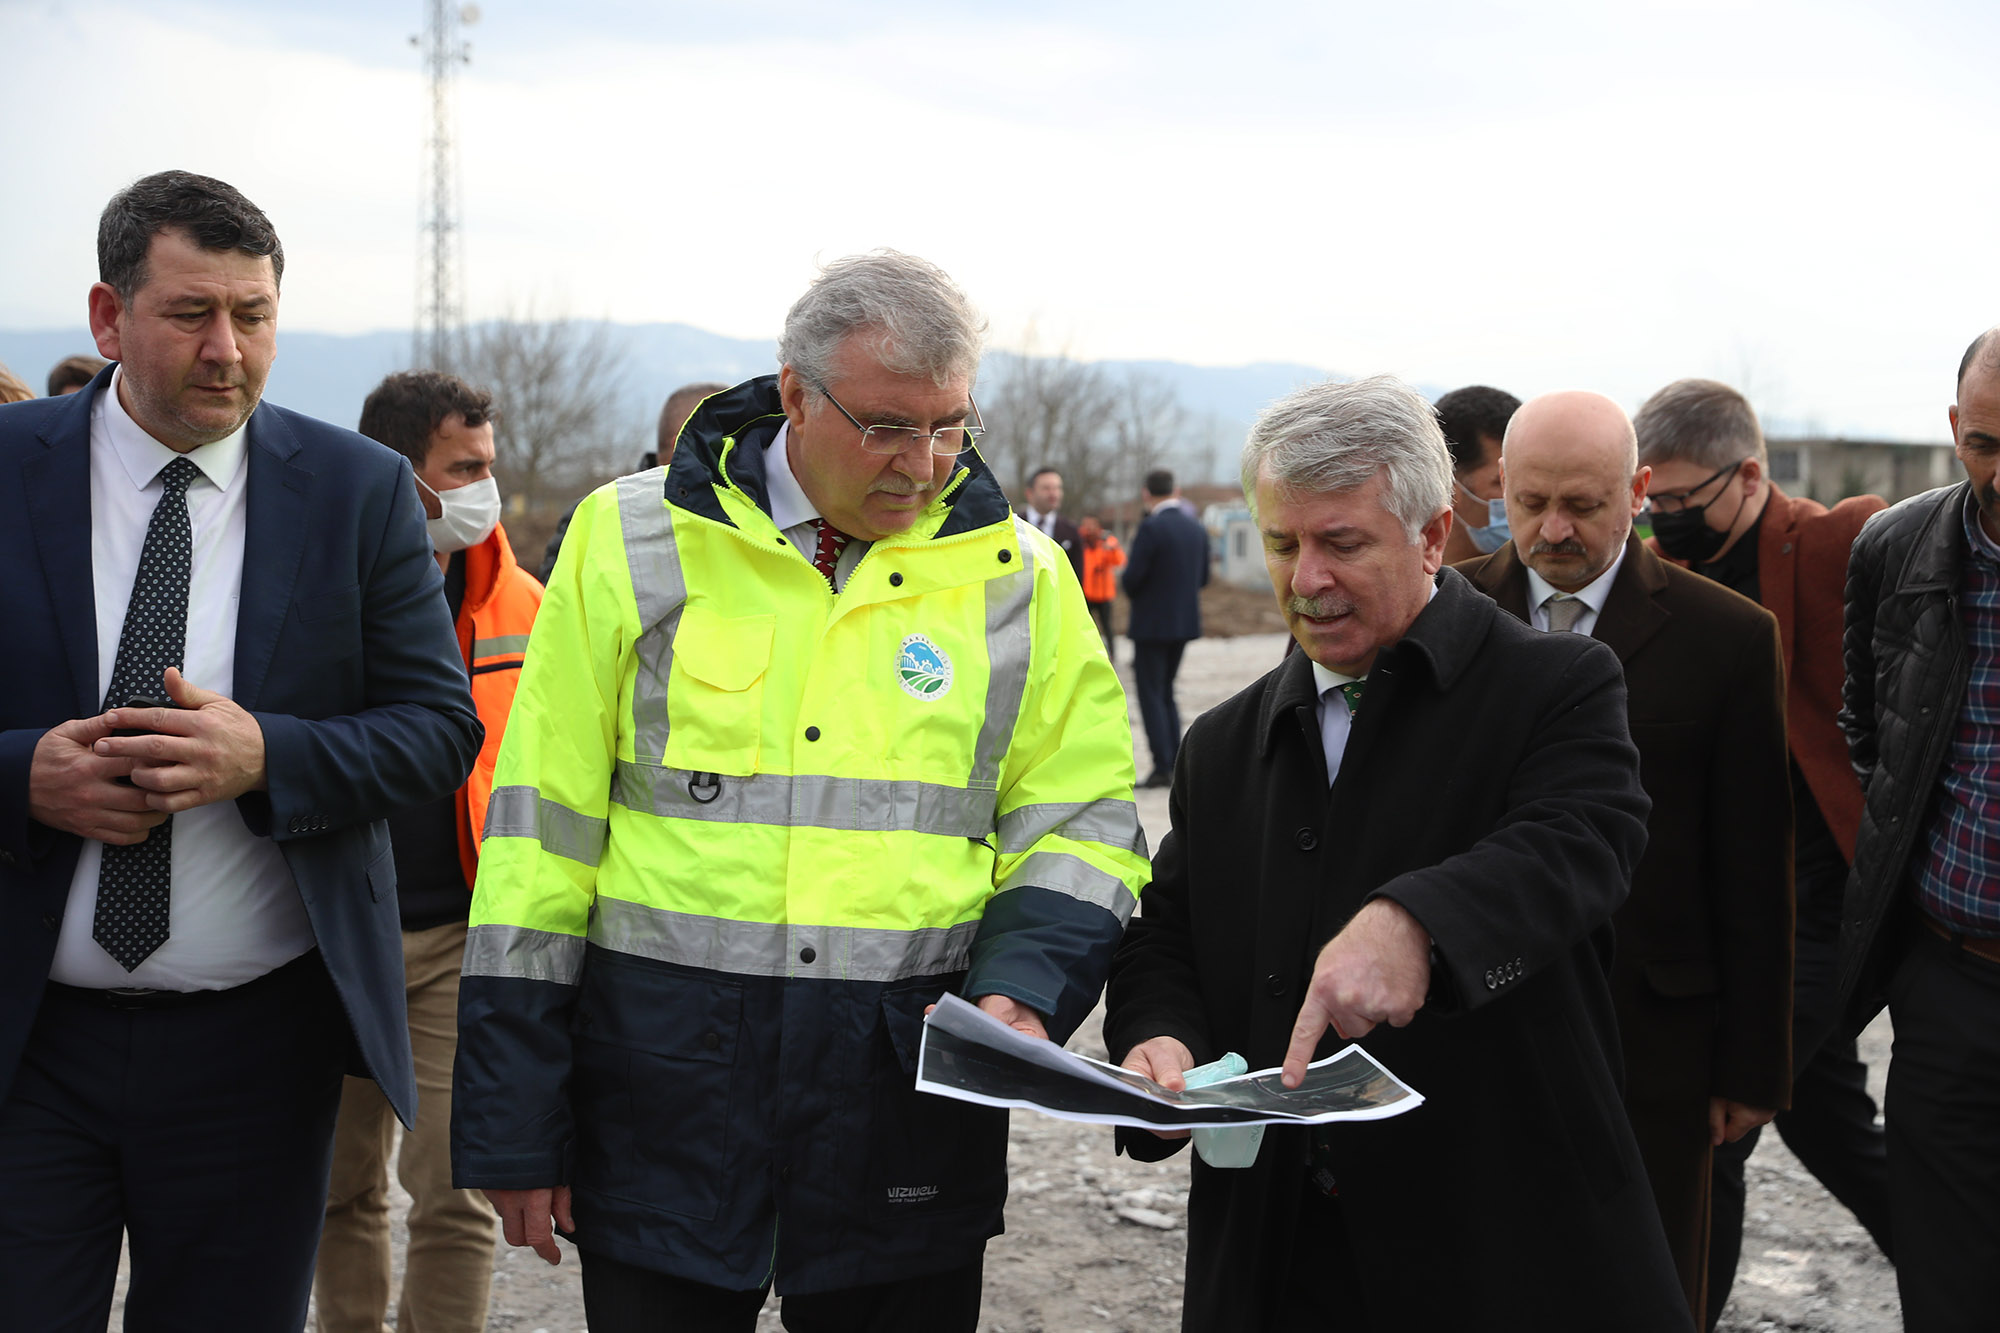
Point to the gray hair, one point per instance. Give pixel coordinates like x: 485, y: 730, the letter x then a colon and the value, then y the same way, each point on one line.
x: 1334, y: 437
x: 1701, y: 422
x: 922, y: 322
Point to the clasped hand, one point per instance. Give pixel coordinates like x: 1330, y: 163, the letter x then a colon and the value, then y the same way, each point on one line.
x: 206, y: 750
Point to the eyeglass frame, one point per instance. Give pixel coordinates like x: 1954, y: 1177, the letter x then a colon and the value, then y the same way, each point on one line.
x: 1680, y: 499
x: 972, y: 432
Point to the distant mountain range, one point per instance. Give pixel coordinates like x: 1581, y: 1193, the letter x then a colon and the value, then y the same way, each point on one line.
x: 327, y: 375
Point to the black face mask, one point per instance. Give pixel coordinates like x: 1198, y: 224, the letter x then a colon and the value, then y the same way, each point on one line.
x: 1685, y: 534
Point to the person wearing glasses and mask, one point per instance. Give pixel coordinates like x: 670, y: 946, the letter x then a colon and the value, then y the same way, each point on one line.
x: 1475, y: 420
x: 1716, y: 511
x: 815, y: 731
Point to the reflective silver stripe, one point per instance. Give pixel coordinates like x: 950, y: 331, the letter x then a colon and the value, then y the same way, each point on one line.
x: 530, y: 955
x: 1110, y: 822
x: 810, y: 800
x: 764, y: 949
x: 660, y: 589
x: 1076, y: 877
x: 1008, y: 645
x: 499, y: 644
x: 523, y: 812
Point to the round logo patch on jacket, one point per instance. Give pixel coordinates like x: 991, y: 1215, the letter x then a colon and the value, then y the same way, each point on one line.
x: 922, y: 669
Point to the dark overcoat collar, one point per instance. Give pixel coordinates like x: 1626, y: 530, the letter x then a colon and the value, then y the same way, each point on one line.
x: 1633, y: 612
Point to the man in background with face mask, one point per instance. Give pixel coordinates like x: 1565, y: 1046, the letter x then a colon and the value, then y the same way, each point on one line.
x: 1702, y: 976
x: 1716, y: 510
x: 1475, y: 420
x: 445, y: 428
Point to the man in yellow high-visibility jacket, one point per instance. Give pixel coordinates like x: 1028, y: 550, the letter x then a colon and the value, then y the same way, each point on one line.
x: 811, y: 732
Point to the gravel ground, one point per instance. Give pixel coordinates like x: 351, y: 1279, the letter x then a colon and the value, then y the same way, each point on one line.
x: 1095, y: 1242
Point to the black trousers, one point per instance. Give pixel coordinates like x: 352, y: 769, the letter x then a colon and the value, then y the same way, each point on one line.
x: 1944, y: 1137
x: 623, y: 1298
x: 1155, y: 662
x: 1830, y: 1125
x: 203, y: 1132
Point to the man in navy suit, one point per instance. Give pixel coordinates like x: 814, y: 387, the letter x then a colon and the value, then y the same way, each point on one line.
x: 1165, y: 571
x: 198, y: 925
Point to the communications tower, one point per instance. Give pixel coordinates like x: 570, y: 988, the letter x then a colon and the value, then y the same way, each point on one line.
x: 440, y: 306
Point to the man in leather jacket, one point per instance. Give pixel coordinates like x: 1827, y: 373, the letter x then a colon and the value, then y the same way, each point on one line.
x: 1921, y: 926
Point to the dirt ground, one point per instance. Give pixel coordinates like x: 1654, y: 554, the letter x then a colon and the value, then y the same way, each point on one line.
x: 1095, y: 1242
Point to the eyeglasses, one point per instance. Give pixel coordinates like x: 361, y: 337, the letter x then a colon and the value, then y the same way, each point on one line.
x: 945, y: 441
x: 1672, y: 502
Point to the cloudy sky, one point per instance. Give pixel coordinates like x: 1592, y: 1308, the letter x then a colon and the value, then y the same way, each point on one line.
x: 1796, y: 197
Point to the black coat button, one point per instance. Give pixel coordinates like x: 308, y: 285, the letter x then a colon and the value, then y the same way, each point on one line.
x: 812, y: 733
x: 1307, y: 839
x: 1274, y: 984
x: 807, y: 954
x: 1006, y: 556
x: 895, y: 580
x: 711, y: 1041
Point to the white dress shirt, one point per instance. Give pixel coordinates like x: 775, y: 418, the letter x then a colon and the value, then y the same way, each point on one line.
x: 1045, y: 522
x: 798, y: 517
x: 1336, y: 719
x: 236, y: 912
x: 1591, y: 594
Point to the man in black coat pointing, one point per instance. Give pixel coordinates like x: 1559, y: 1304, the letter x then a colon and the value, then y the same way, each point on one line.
x: 1343, y: 866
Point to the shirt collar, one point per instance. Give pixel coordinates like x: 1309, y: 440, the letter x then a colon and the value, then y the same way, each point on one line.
x: 1592, y: 594
x: 143, y: 458
x: 789, y: 505
x: 1975, y: 531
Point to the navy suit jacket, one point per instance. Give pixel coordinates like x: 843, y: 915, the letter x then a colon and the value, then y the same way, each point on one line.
x: 1165, y: 569
x: 345, y: 655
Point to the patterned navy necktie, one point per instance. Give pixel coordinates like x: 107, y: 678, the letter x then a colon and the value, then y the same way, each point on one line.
x: 134, y: 883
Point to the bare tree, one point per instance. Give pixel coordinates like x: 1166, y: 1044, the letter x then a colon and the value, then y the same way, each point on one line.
x: 563, y: 426
x: 1103, y: 430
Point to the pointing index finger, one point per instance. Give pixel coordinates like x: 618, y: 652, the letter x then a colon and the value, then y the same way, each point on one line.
x: 1313, y: 1021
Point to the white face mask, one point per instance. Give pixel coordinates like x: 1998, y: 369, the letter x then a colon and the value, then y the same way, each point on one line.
x: 470, y: 513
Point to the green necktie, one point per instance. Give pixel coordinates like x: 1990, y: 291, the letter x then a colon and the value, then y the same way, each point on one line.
x: 1351, y: 692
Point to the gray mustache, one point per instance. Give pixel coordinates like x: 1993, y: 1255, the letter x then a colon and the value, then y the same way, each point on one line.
x: 1319, y: 608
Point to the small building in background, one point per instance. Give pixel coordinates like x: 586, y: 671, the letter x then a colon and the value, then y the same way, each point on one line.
x: 1828, y: 470
x: 1233, y: 537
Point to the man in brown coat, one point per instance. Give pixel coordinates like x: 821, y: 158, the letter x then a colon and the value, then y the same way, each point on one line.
x: 1702, y: 973
x: 1716, y: 510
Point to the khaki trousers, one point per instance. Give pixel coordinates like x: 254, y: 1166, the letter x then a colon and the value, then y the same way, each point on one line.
x: 450, y: 1269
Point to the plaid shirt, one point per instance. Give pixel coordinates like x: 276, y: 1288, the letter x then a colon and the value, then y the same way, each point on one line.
x: 1959, y: 882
